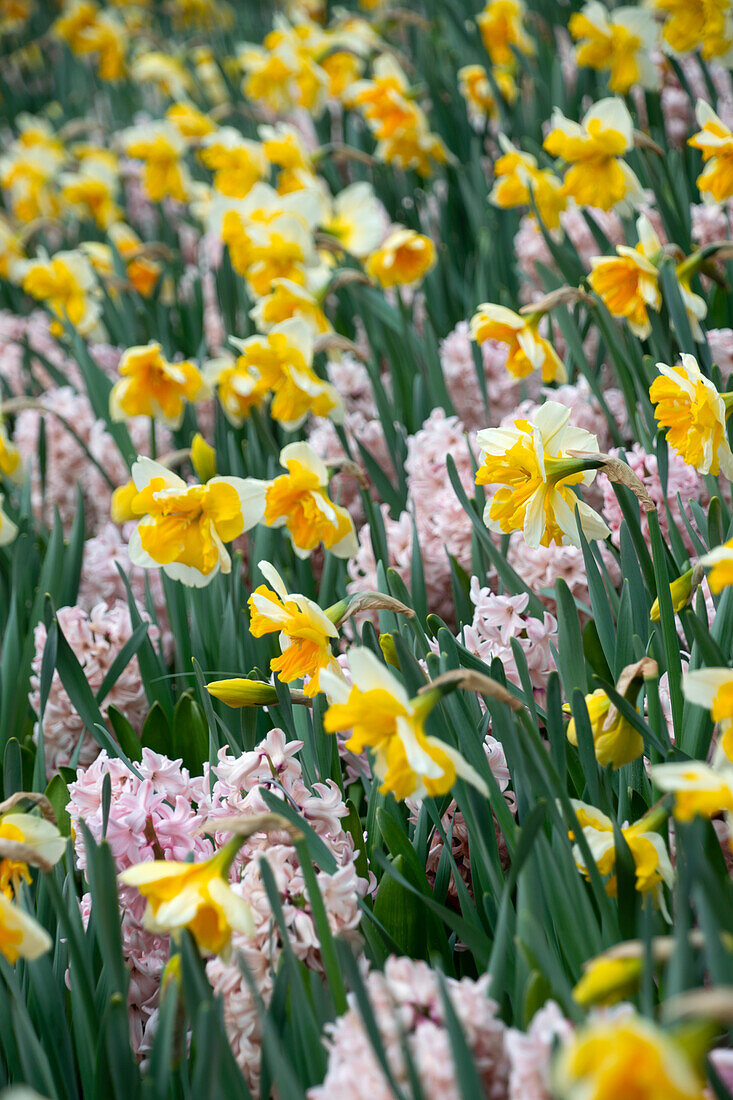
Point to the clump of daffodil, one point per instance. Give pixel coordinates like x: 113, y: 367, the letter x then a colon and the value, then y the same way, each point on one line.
x: 715, y: 141
x: 299, y: 501
x: 626, y: 1056
x: 720, y: 563
x: 620, y: 42
x: 305, y: 631
x: 402, y: 260
x: 502, y: 29
x: 527, y: 351
x: 615, y: 740
x: 696, y: 25
x: 648, y: 850
x: 519, y: 181
x: 66, y: 285
x: 593, y: 149
x: 151, y: 386
x: 478, y: 93
x: 382, y: 717
x: 193, y: 896
x: 182, y: 528
x: 694, y: 414
x: 237, y: 162
x: 161, y: 149
x: 628, y: 283
x: 536, y: 466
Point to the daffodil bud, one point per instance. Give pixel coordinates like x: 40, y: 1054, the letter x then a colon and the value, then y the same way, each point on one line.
x: 203, y: 458
x: 243, y: 692
x: 607, y: 980
x: 389, y: 650
x: 681, y: 590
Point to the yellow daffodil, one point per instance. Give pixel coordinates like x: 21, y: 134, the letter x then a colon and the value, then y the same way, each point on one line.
x: 720, y: 563
x: 414, y: 147
x: 403, y: 259
x: 164, y: 72
x: 592, y: 149
x: 651, y: 859
x: 203, y: 458
x: 536, y: 465
x: 238, y: 386
x: 285, y: 301
x: 151, y: 386
x: 502, y: 29
x: 619, y: 42
x: 715, y: 141
x: 270, y: 237
x: 10, y: 464
x: 305, y: 631
x: 41, y: 841
x: 241, y: 692
x: 615, y: 742
x: 628, y: 283
x: 606, y: 981
x: 66, y: 285
x: 191, y: 123
x: 520, y: 182
x: 284, y: 147
x: 527, y: 350
x: 383, y: 718
x: 183, y: 527
x: 91, y: 193
x: 237, y: 162
x: 299, y: 501
x: 76, y: 18
x: 694, y: 414
x: 384, y: 100
x: 160, y: 147
x: 281, y: 73
x: 142, y: 271
x: 691, y: 25
x: 699, y: 789
x: 196, y: 896
x: 11, y: 250
x: 21, y: 937
x: 8, y: 530
x: 478, y: 93
x: 106, y: 37
x: 711, y: 688
x: 278, y: 362
x: 627, y: 1056
x: 357, y: 219
x: 681, y: 590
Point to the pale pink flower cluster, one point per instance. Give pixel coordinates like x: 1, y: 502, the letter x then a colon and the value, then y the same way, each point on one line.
x: 101, y: 581
x: 20, y: 369
x: 408, y: 1009
x: 67, y: 463
x: 530, y: 247
x: 499, y: 619
x: 459, y: 370
x: 682, y: 480
x: 96, y: 637
x: 153, y: 816
x: 720, y: 341
x: 530, y: 1053
x: 237, y: 791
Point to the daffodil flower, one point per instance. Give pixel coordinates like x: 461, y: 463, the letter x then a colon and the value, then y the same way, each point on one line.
x: 720, y: 563
x: 299, y: 501
x: 620, y: 42
x: 699, y: 789
x: 694, y: 414
x: 628, y: 283
x: 196, y: 896
x: 592, y: 149
x: 615, y: 740
x: 536, y: 466
x: 183, y: 527
x: 40, y: 840
x: 21, y: 936
x: 237, y: 162
x: 607, y: 980
x: 403, y: 259
x: 527, y: 350
x: 288, y: 300
x: 610, y: 1058
x: 305, y: 631
x: 161, y: 148
x: 383, y: 718
x: 651, y: 859
x: 65, y: 283
x: 519, y: 181
x: 690, y: 26
x: 501, y: 25
x: 151, y: 386
x: 357, y: 219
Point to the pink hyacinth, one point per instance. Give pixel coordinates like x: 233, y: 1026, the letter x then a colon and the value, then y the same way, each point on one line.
x: 20, y: 369
x: 682, y: 480
x: 408, y: 1008
x: 530, y: 1053
x: 96, y: 638
x: 459, y: 370
x: 152, y: 816
x: 499, y: 619
x: 237, y: 791
x: 721, y: 349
